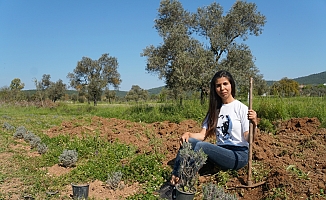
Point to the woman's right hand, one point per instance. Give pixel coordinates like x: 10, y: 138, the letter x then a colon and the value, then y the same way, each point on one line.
x: 184, y: 138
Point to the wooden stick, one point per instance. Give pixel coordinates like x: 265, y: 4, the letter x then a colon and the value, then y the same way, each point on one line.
x: 249, y: 182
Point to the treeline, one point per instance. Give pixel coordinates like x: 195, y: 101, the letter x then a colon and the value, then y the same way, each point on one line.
x: 56, y: 91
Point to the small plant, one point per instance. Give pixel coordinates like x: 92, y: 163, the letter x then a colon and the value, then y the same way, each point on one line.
x: 42, y: 148
x: 35, y: 141
x: 190, y: 163
x: 298, y: 172
x: 28, y: 136
x: 267, y: 126
x: 20, y: 132
x: 114, y: 179
x: 212, y: 191
x: 8, y: 126
x: 68, y: 158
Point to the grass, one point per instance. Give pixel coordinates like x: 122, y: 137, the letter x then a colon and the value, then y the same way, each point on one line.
x: 275, y: 108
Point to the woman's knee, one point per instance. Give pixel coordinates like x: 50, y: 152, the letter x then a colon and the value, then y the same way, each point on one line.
x: 193, y: 142
x: 200, y: 145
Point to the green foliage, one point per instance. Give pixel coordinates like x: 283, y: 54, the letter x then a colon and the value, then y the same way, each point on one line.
x: 143, y: 168
x: 137, y: 94
x: 277, y: 193
x: 186, y: 63
x: 266, y: 125
x: 285, y: 88
x: 223, y: 177
x: 299, y: 173
x: 92, y: 76
x: 274, y: 109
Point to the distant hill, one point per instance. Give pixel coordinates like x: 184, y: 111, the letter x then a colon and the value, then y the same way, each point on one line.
x: 155, y: 90
x: 317, y: 79
x: 313, y: 79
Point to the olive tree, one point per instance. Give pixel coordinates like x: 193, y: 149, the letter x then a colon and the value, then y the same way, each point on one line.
x: 285, y: 87
x: 136, y: 94
x: 196, y: 45
x: 15, y: 87
x: 93, y: 76
x: 56, y: 90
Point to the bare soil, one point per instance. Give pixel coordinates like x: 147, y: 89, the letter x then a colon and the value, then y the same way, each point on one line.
x: 292, y: 159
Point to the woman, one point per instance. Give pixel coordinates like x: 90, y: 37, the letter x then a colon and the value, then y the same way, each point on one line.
x: 228, y: 120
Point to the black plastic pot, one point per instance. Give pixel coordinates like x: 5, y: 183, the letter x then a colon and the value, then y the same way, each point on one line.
x: 80, y: 191
x: 181, y: 195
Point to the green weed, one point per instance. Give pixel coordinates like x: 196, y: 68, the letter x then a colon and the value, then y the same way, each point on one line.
x: 299, y: 173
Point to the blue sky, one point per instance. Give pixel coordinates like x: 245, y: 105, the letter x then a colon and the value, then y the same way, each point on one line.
x: 49, y: 37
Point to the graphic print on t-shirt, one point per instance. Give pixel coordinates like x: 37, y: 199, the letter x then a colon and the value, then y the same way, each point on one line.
x: 226, y: 127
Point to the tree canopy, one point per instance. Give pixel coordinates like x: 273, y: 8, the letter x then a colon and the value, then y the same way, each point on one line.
x: 136, y: 94
x: 285, y: 87
x: 92, y: 76
x: 196, y: 45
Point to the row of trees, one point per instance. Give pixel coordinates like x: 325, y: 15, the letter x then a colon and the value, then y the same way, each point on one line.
x: 57, y: 91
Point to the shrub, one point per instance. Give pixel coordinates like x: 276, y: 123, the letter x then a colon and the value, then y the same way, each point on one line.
x: 28, y: 137
x: 8, y: 127
x: 211, y: 191
x: 113, y: 181
x: 20, y: 132
x: 42, y: 148
x: 35, y: 141
x: 68, y: 158
x: 266, y: 126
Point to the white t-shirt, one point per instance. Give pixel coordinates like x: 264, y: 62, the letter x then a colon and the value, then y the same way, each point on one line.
x: 231, y: 125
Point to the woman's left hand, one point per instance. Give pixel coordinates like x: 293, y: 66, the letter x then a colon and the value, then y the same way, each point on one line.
x: 252, y: 116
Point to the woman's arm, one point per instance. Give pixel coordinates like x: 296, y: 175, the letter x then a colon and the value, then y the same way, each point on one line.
x: 252, y: 116
x: 199, y: 136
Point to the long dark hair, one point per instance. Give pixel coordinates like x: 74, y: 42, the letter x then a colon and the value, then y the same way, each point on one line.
x: 215, y: 102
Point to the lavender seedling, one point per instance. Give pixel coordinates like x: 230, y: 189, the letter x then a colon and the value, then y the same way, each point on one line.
x: 20, y: 132
x: 212, y: 191
x: 35, y: 141
x: 68, y: 158
x: 114, y: 179
x: 190, y: 163
x: 42, y: 148
x: 8, y: 126
x: 28, y: 137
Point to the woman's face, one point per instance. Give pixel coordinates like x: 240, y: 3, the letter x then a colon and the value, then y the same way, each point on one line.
x: 223, y: 89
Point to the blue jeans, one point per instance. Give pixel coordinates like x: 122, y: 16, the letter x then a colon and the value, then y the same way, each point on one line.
x: 226, y: 156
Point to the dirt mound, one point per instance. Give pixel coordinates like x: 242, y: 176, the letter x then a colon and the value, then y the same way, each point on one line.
x: 293, y: 158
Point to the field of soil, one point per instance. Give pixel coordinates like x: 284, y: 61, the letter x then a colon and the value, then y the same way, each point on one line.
x: 293, y: 159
